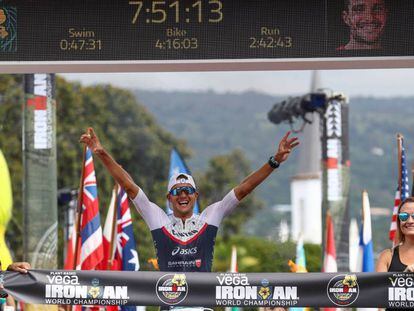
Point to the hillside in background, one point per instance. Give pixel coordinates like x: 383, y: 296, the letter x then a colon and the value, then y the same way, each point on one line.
x: 214, y: 124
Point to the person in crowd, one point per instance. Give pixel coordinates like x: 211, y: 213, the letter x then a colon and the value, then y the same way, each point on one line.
x: 401, y: 257
x: 21, y: 267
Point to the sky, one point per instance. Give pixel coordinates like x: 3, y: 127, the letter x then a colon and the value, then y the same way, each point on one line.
x: 366, y: 82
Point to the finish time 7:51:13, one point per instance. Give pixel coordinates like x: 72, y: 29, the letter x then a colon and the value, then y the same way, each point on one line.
x: 158, y: 12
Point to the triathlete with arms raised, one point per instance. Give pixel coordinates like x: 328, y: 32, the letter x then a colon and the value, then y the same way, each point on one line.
x: 184, y: 241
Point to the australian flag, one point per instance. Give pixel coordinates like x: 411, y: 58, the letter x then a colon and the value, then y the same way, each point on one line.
x: 126, y: 255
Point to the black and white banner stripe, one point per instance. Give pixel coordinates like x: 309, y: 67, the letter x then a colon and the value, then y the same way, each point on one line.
x: 212, y: 289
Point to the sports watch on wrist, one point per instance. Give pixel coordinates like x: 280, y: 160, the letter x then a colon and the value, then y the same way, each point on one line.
x: 273, y: 163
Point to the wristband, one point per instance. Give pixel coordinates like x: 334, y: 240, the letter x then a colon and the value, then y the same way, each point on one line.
x: 273, y: 163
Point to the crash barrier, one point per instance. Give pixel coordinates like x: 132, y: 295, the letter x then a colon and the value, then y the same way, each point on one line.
x: 63, y: 287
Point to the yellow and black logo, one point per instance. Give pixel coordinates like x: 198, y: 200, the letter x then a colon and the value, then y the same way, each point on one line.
x: 343, y: 289
x: 8, y: 29
x: 172, y: 288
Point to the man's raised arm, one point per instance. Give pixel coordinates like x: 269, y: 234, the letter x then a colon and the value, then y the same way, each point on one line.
x: 257, y: 177
x: 118, y: 173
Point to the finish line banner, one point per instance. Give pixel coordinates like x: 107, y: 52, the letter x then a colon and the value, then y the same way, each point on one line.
x: 394, y: 290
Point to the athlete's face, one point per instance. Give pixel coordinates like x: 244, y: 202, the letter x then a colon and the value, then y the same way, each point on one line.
x: 366, y: 20
x: 183, y: 202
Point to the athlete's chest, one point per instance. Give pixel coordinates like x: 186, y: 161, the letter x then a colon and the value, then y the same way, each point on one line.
x: 185, y: 232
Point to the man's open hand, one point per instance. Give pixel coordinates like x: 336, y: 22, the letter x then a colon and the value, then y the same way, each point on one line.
x: 286, y: 146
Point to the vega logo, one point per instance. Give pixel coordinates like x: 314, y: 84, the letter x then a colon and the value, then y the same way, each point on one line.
x: 68, y: 286
x: 8, y: 29
x: 401, y: 291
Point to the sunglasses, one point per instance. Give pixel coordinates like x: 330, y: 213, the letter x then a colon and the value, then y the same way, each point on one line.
x: 186, y: 189
x: 404, y: 216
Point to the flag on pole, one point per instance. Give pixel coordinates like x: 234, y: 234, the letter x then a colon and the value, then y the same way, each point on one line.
x: 125, y: 256
x: 70, y: 249
x: 91, y: 253
x: 354, y: 246
x: 300, y: 255
x: 177, y: 165
x: 233, y: 264
x: 329, y: 263
x: 89, y: 244
x: 402, y: 188
x: 234, y: 269
x: 108, y: 234
x: 412, y: 175
x: 365, y: 242
x: 300, y: 264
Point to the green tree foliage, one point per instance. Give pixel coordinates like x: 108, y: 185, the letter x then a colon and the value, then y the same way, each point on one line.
x: 254, y: 254
x: 128, y: 132
x: 125, y: 128
x: 218, y: 123
x: 224, y: 173
x: 313, y: 253
x: 142, y: 147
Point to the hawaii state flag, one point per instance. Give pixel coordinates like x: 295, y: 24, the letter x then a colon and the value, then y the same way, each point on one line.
x: 90, y: 249
x: 91, y: 232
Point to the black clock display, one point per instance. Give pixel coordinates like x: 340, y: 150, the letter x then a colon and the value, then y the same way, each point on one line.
x: 160, y: 12
x: 152, y: 31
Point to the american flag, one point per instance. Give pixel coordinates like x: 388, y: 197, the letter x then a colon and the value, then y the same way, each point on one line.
x: 400, y: 195
x: 91, y: 232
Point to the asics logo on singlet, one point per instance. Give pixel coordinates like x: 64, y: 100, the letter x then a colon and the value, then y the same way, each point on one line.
x: 184, y: 251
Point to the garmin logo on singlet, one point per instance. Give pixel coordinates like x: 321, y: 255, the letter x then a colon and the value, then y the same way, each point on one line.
x: 184, y: 251
x: 401, y: 291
